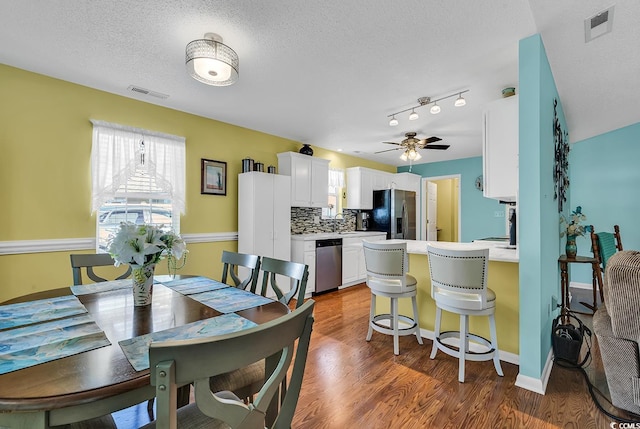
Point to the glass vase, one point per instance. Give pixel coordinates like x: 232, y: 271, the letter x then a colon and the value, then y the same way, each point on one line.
x: 571, y: 249
x: 142, y: 276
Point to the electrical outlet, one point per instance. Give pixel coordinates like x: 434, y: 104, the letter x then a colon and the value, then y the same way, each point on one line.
x: 498, y: 213
x: 316, y: 220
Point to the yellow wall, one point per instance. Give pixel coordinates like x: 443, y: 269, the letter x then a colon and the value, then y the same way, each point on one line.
x: 447, y: 209
x: 45, y: 147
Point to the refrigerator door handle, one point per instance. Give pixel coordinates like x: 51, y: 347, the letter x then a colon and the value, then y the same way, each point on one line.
x: 404, y: 218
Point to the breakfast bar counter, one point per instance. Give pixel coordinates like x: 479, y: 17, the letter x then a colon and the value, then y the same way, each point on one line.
x: 503, y: 279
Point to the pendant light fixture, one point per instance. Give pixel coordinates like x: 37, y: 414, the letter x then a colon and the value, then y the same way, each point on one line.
x: 425, y: 101
x: 212, y: 62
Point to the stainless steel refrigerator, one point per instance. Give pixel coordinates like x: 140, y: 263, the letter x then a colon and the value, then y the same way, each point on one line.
x: 394, y: 212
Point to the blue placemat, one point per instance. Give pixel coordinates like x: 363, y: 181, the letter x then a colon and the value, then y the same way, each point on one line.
x: 101, y: 287
x: 27, y: 313
x: 44, y: 342
x: 137, y: 349
x: 192, y: 285
x: 229, y: 300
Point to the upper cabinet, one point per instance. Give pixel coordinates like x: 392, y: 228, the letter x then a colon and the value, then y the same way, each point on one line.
x: 361, y: 182
x: 500, y: 149
x: 309, y: 178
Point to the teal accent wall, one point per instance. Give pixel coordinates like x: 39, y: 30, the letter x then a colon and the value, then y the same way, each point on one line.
x: 477, y: 212
x: 538, y: 214
x: 604, y: 176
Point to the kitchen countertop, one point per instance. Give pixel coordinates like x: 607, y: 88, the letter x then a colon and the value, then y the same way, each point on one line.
x: 496, y: 250
x: 326, y: 235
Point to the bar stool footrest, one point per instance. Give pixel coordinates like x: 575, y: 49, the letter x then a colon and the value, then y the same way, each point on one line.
x: 384, y: 329
x: 470, y: 355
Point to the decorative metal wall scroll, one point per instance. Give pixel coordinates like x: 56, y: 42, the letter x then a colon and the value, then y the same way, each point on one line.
x: 561, y: 166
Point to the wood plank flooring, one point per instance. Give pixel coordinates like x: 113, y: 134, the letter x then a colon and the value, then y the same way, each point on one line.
x: 351, y: 383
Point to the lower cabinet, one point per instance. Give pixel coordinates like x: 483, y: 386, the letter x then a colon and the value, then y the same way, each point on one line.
x: 354, y: 269
x: 304, y: 252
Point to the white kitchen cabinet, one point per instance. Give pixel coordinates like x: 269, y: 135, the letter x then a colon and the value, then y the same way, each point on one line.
x: 407, y: 182
x: 304, y: 252
x: 309, y: 179
x: 264, y: 215
x: 500, y: 149
x: 361, y: 182
x: 354, y: 269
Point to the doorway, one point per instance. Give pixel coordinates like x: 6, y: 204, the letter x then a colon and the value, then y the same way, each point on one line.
x: 441, y: 209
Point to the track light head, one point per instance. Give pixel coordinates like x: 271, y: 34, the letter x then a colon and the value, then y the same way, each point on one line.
x: 413, y: 115
x: 393, y: 122
x: 435, y: 109
x: 460, y: 101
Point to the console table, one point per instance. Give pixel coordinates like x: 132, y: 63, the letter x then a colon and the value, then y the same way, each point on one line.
x: 564, y: 262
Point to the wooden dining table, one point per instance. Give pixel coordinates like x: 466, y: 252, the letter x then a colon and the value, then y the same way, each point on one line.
x: 101, y: 381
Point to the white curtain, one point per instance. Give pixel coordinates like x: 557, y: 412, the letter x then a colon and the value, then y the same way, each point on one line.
x: 336, y: 178
x: 117, y: 153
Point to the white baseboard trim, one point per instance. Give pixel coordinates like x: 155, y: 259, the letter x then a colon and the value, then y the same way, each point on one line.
x: 504, y: 356
x: 69, y: 244
x: 579, y: 285
x: 534, y: 384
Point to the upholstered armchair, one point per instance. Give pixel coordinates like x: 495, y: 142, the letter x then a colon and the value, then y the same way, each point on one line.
x: 617, y: 326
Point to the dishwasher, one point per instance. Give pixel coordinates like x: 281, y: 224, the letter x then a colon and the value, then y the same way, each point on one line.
x: 328, y: 264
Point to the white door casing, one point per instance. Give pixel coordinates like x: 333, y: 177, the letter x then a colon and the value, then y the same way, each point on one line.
x: 432, y: 211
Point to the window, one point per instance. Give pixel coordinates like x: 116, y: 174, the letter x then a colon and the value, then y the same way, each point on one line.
x: 336, y: 183
x: 138, y: 176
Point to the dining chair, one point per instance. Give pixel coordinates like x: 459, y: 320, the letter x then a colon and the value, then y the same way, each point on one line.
x: 604, y: 245
x: 232, y: 261
x: 459, y: 285
x: 245, y: 382
x: 88, y: 262
x: 387, y: 263
x: 176, y: 363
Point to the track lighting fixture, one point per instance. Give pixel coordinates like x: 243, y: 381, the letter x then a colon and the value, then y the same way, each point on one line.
x: 425, y: 101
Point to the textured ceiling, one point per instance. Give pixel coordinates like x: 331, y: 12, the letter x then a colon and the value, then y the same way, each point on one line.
x: 328, y: 73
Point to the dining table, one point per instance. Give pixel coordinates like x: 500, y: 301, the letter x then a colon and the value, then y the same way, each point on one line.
x: 103, y: 379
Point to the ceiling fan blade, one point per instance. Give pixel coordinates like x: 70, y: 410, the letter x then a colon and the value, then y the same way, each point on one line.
x: 388, y: 150
x: 432, y: 140
x: 437, y: 146
x: 392, y: 143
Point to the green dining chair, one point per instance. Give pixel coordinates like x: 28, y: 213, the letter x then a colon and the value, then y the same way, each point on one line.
x: 88, y: 262
x: 245, y: 382
x: 176, y: 363
x: 604, y: 245
x: 232, y: 261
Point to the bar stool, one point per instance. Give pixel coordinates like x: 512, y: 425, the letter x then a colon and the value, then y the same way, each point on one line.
x: 459, y: 285
x: 387, y: 264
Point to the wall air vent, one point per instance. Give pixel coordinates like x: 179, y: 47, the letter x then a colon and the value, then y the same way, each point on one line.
x: 598, y: 24
x: 148, y: 92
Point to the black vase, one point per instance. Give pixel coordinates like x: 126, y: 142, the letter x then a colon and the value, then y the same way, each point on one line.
x: 306, y: 150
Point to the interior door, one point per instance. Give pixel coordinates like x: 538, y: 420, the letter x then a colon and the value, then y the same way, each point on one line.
x: 432, y: 211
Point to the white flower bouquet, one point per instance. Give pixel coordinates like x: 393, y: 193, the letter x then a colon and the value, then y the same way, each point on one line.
x: 146, y: 244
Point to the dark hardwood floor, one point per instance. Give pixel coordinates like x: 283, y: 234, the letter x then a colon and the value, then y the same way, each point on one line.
x: 351, y: 383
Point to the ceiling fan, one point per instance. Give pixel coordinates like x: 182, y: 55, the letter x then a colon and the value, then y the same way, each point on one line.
x: 411, y: 144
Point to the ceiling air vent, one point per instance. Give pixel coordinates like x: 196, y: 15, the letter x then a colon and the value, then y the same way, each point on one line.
x: 148, y: 92
x: 598, y: 25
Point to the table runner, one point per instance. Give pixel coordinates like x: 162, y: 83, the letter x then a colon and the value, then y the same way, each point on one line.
x: 137, y: 349
x: 230, y: 299
x: 192, y: 285
x: 44, y: 342
x: 101, y: 287
x: 27, y: 313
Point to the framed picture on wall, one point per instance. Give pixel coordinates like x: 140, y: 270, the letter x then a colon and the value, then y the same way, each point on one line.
x: 213, y: 177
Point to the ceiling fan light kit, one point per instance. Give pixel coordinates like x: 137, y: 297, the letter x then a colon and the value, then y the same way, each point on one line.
x: 425, y: 101
x: 212, y: 62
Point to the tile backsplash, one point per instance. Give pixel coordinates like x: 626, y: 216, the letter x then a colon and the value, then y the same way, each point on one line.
x: 302, y: 221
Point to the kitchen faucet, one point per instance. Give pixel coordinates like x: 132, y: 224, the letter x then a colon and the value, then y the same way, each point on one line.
x: 334, y: 220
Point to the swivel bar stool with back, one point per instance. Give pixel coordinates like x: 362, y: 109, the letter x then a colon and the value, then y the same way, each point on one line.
x: 459, y: 285
x: 387, y: 265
